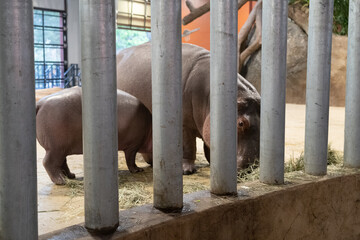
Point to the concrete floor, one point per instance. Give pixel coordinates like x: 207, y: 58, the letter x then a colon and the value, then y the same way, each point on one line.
x: 58, y: 207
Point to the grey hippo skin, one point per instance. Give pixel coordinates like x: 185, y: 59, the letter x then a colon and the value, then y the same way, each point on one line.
x: 134, y: 77
x: 59, y: 130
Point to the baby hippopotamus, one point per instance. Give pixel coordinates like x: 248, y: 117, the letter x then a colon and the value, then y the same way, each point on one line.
x: 59, y: 130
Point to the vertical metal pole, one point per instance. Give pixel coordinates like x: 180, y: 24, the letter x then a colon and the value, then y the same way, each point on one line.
x: 18, y: 190
x: 99, y: 115
x: 318, y: 86
x: 223, y: 96
x: 352, y: 113
x: 167, y: 103
x: 273, y: 85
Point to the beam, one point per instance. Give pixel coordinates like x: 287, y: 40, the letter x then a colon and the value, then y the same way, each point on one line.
x: 318, y: 86
x: 167, y: 104
x: 99, y: 115
x: 223, y: 96
x: 273, y: 85
x: 18, y: 186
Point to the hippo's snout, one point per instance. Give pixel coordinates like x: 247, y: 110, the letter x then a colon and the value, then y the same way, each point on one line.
x: 248, y: 140
x: 244, y: 159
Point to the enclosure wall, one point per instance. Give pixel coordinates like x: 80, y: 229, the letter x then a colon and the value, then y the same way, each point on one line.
x: 309, y: 210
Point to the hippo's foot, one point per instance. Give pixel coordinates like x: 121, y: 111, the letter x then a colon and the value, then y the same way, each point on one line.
x: 57, y: 168
x: 130, y: 161
x: 135, y: 169
x: 147, y: 158
x: 69, y: 175
x: 66, y: 171
x: 207, y: 152
x: 57, y: 177
x: 188, y: 166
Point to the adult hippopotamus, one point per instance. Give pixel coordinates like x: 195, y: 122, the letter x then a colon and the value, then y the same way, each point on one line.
x: 59, y: 130
x: 134, y: 77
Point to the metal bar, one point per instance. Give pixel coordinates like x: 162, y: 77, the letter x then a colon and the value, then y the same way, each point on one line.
x: 44, y: 56
x: 352, y: 113
x: 273, y: 85
x: 167, y: 104
x: 18, y: 187
x: 223, y: 96
x: 99, y: 115
x: 318, y: 86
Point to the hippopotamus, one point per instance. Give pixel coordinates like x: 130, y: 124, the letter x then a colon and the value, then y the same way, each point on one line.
x: 134, y: 77
x: 59, y: 130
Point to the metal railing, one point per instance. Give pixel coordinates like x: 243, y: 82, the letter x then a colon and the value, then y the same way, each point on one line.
x: 72, y: 76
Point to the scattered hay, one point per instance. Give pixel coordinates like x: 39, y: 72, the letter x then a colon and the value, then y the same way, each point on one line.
x: 130, y: 193
x: 295, y: 164
x: 76, y: 187
x: 333, y: 158
x: 133, y: 194
x: 136, y: 189
x: 251, y: 173
x: 194, y: 187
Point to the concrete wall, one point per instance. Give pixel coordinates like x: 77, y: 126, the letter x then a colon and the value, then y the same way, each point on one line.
x: 74, y: 40
x: 50, y: 4
x: 304, y: 208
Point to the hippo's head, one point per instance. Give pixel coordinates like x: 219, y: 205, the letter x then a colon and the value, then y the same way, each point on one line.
x: 248, y: 124
x: 248, y: 127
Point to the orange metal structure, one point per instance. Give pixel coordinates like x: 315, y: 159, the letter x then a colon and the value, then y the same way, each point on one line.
x: 201, y: 37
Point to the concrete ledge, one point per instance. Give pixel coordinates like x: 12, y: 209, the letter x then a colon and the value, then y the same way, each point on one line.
x: 304, y: 208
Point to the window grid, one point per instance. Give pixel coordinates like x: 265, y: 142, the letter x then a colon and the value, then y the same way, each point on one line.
x: 49, y: 46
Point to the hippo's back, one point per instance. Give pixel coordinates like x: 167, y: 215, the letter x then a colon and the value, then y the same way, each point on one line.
x: 134, y: 122
x: 134, y: 69
x: 58, y: 120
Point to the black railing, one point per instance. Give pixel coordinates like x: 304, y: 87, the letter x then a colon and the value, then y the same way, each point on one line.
x: 72, y: 76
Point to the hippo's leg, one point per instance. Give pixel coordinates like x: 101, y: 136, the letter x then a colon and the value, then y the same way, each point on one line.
x: 130, y: 161
x: 66, y: 170
x: 207, y: 152
x: 147, y: 158
x: 189, y: 151
x: 53, y: 163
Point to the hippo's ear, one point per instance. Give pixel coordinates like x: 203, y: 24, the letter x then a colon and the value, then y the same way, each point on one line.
x: 206, y: 131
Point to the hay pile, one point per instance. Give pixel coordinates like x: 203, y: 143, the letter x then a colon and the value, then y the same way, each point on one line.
x: 137, y: 189
x: 295, y: 164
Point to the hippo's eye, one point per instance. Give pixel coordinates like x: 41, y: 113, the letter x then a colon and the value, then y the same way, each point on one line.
x: 248, y: 105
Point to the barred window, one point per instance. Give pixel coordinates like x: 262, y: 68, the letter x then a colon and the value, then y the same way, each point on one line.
x: 49, y: 44
x: 134, y: 15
